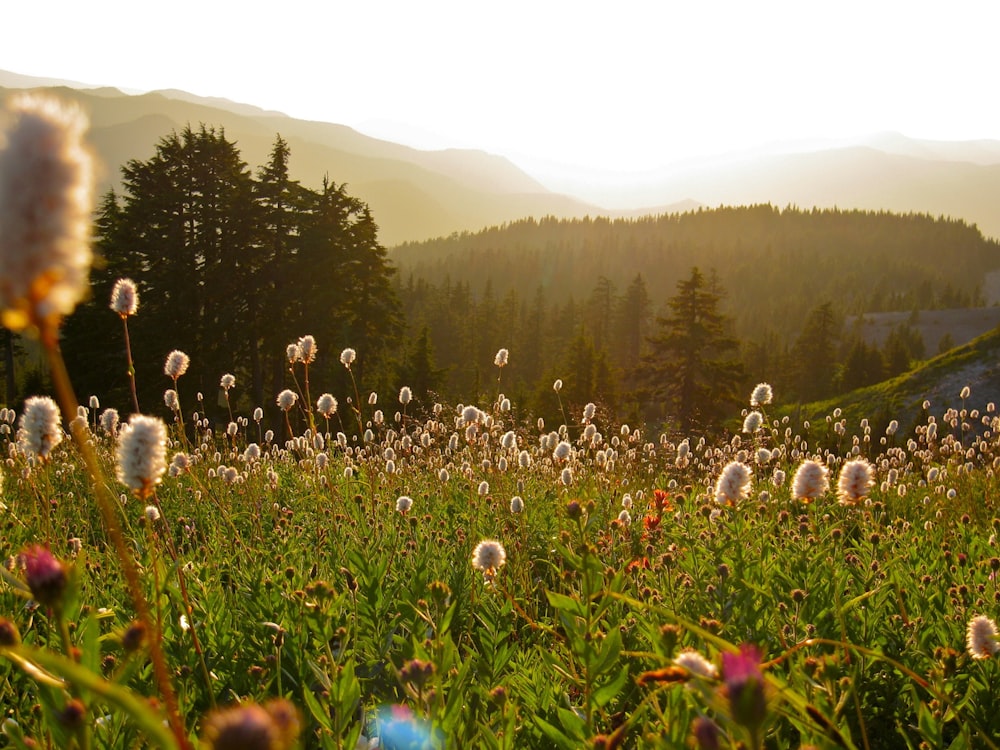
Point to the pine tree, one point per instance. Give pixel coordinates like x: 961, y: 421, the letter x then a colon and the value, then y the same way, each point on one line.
x: 690, y: 364
x: 814, y: 354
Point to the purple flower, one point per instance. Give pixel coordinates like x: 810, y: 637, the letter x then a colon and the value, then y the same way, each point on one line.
x: 45, y: 575
x: 744, y: 684
x: 705, y: 733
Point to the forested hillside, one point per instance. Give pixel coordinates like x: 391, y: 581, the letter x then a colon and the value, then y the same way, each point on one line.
x: 579, y: 299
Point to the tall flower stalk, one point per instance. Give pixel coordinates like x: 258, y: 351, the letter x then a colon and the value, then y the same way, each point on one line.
x: 175, y: 366
x: 125, y: 302
x: 45, y: 259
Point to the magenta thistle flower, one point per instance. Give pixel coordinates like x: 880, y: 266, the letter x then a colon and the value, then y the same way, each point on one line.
x: 744, y: 684
x: 45, y: 575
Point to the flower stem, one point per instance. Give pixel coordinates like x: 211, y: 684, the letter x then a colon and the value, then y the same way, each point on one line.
x: 106, y: 504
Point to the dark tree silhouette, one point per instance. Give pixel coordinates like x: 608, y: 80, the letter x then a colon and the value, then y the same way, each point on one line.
x: 690, y: 364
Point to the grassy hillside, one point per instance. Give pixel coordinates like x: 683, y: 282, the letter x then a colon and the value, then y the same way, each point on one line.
x: 940, y: 381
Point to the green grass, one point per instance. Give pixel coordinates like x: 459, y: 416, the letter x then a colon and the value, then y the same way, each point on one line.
x: 308, y: 585
x: 902, y: 397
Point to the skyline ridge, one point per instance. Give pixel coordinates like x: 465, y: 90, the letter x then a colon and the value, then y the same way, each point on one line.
x: 917, y: 175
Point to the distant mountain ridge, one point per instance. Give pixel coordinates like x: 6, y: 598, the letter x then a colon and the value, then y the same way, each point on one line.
x: 416, y: 195
x: 412, y: 193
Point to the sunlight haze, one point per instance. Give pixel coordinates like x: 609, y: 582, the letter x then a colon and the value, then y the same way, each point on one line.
x: 558, y: 87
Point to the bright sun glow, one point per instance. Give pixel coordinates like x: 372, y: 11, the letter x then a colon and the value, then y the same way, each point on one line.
x: 628, y: 86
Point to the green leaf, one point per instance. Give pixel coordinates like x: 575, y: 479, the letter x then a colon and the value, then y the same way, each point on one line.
x: 564, y: 603
x: 608, y: 692
x: 610, y: 650
x: 321, y: 715
x: 560, y: 739
x: 572, y: 722
x: 148, y: 720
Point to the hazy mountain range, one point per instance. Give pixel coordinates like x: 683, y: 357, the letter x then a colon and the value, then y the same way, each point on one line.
x: 417, y: 194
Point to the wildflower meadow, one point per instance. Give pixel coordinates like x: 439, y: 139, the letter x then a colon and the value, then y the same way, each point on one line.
x: 467, y: 575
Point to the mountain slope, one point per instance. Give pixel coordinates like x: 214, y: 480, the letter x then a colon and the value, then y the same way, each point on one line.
x: 413, y: 194
x: 939, y: 380
x: 416, y: 194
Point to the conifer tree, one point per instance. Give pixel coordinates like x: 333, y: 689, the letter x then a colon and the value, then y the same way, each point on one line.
x: 691, y: 364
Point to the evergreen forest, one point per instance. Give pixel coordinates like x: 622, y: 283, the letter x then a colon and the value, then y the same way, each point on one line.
x: 666, y: 319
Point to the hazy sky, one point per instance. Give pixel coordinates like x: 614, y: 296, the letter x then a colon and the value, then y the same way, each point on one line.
x: 624, y: 85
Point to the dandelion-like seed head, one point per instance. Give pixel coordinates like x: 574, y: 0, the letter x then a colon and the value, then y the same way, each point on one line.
x: 125, y: 298
x: 227, y: 381
x: 761, y: 395
x: 855, y: 481
x: 170, y: 399
x: 286, y: 399
x: 588, y: 412
x: 405, y: 395
x: 696, y: 664
x: 292, y: 353
x: 811, y: 481
x: 347, y: 357
x: 176, y: 364
x: 307, y: 349
x: 488, y: 557
x: 404, y: 503
x: 46, y: 199
x: 753, y: 422
x: 733, y: 484
x: 562, y: 451
x: 40, y: 430
x: 326, y: 405
x: 557, y: 385
x: 142, y: 454
x: 109, y: 421
x: 981, y: 638
x: 516, y: 504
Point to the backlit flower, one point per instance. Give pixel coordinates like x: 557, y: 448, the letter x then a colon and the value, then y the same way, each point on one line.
x: 274, y: 726
x: 855, y: 481
x: 41, y: 430
x: 696, y: 664
x: 307, y: 349
x: 761, y: 395
x: 109, y: 421
x: 810, y: 481
x: 286, y: 399
x: 733, y: 484
x: 46, y: 199
x: 125, y: 298
x: 176, y: 364
x: 347, y: 357
x: 488, y: 557
x: 326, y: 405
x: 752, y: 422
x: 500, y: 360
x: 981, y: 638
x: 142, y: 454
